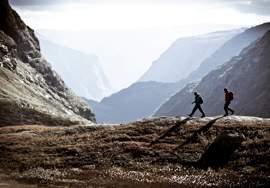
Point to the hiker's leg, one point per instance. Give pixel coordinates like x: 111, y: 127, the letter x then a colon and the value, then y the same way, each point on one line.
x: 194, y: 110
x: 226, y: 108
x: 231, y: 110
x: 201, y: 110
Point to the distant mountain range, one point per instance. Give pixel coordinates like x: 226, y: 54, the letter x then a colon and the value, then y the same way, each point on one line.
x: 231, y: 48
x: 81, y: 72
x: 247, y: 75
x: 48, y: 136
x: 144, y: 99
x: 189, y: 52
x: 138, y: 101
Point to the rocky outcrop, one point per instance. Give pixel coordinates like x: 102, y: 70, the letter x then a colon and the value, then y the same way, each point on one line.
x: 171, y: 65
x: 218, y: 154
x: 31, y: 92
x: 247, y: 75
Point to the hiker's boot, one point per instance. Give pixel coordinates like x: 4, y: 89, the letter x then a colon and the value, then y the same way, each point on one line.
x: 190, y: 115
x: 232, y: 112
x: 203, y: 116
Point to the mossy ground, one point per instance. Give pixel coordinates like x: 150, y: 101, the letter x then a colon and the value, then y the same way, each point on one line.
x: 135, y: 154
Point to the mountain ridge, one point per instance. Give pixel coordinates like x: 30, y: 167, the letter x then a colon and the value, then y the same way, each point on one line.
x: 247, y: 75
x: 31, y: 92
x: 170, y: 66
x: 231, y: 48
x: 82, y: 72
x: 126, y: 105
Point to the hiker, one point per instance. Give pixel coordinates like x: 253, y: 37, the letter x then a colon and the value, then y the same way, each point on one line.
x: 198, y: 101
x: 228, y: 99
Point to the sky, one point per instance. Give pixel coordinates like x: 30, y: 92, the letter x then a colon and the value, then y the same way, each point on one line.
x: 128, y: 35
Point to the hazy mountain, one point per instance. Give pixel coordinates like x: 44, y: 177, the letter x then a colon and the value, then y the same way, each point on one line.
x: 230, y: 49
x: 31, y: 92
x: 152, y: 94
x: 175, y: 106
x: 189, y: 52
x: 138, y: 47
x: 247, y: 75
x: 81, y: 72
x: 139, y: 100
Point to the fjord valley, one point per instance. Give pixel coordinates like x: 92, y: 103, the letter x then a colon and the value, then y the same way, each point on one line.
x: 61, y: 130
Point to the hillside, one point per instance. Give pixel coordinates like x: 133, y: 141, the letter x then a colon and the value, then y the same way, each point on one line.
x: 48, y: 137
x: 247, y: 75
x: 81, y: 72
x: 138, y: 101
x: 230, y: 49
x: 179, y: 103
x: 160, y: 152
x: 171, y: 65
x: 31, y: 92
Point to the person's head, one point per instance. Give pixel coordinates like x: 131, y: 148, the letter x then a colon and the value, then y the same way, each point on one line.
x: 225, y: 90
x: 195, y: 93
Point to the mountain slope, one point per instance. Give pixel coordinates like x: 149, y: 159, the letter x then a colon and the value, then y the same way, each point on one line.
x: 159, y: 152
x: 139, y: 100
x: 31, y: 92
x: 171, y: 66
x: 175, y: 106
x: 81, y: 72
x: 247, y: 75
x: 231, y: 48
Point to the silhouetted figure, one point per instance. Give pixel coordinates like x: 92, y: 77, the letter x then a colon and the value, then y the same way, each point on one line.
x: 228, y: 99
x: 198, y: 101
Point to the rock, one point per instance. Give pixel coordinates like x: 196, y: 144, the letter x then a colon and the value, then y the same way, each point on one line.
x: 219, y: 152
x: 27, y: 78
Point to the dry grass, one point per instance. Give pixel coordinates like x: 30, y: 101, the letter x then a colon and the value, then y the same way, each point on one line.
x: 125, y: 155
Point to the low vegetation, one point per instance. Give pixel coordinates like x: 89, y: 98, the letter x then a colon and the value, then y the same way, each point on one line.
x: 154, y: 152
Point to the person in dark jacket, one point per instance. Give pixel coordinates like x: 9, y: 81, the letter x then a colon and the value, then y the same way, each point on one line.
x: 198, y: 102
x: 228, y: 99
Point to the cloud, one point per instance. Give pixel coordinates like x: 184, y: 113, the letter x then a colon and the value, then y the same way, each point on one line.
x: 43, y: 4
x: 33, y: 2
x: 260, y: 7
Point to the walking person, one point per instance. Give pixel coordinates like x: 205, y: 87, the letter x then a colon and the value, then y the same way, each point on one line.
x: 228, y: 99
x: 198, y: 102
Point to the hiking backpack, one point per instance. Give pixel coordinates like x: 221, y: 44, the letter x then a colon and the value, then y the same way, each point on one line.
x: 231, y: 96
x: 200, y: 100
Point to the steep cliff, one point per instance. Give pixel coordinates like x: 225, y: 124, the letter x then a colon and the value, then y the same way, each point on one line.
x: 81, y: 72
x: 31, y: 92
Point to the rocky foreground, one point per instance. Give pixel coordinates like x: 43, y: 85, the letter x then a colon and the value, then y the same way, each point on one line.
x: 158, y: 152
